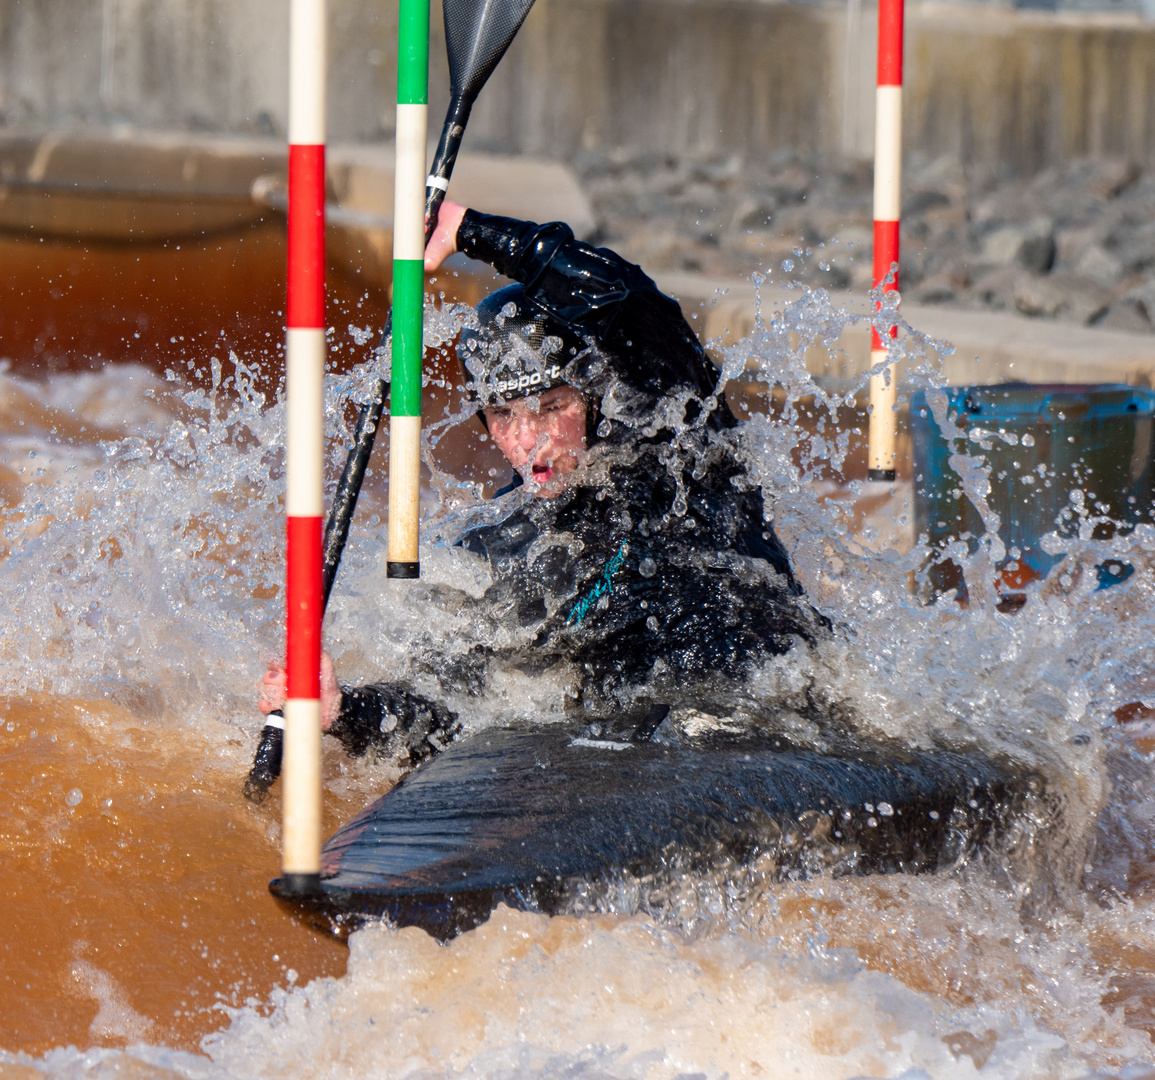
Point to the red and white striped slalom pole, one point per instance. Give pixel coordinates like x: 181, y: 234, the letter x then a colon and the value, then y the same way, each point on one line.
x: 304, y: 380
x: 887, y: 207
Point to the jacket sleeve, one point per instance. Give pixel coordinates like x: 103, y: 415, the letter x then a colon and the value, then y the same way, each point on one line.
x: 393, y: 721
x: 596, y: 291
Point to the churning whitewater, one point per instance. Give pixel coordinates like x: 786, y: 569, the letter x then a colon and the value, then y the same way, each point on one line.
x: 142, y: 598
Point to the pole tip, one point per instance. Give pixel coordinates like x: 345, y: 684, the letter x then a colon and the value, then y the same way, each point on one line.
x: 885, y: 475
x: 296, y: 886
x: 403, y: 570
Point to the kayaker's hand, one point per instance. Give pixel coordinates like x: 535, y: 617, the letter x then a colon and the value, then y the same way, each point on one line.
x: 443, y: 242
x: 274, y: 685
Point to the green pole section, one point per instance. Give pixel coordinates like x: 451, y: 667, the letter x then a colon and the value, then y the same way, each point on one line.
x: 408, y: 337
x: 413, y: 53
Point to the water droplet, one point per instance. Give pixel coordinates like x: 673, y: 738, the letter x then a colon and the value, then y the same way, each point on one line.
x: 885, y: 809
x: 647, y: 567
x: 74, y: 796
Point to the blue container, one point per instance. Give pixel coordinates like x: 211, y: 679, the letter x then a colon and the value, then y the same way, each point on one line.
x: 1041, y: 443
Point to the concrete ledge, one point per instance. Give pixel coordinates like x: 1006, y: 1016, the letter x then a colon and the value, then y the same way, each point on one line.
x: 133, y: 186
x: 989, y: 347
x: 152, y: 186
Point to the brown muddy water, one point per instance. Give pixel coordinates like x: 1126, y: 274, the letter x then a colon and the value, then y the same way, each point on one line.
x: 140, y: 577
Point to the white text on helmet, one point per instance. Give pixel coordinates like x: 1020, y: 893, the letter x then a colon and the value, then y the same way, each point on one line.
x: 526, y: 380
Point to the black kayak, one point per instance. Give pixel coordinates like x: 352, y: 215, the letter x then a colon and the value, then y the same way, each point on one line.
x: 520, y: 816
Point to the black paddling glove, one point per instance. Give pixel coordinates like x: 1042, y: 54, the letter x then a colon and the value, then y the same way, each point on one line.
x: 394, y: 722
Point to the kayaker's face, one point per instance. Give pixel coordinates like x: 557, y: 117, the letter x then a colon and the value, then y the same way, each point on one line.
x: 542, y: 437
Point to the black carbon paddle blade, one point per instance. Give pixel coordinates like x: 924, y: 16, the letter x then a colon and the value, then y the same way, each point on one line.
x: 477, y: 33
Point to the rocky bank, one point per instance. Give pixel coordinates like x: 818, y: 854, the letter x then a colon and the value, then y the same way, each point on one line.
x: 1076, y: 243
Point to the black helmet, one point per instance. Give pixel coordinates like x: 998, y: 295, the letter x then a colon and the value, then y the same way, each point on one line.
x: 518, y: 350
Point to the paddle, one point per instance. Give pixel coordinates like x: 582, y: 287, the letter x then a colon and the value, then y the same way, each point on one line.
x: 477, y: 34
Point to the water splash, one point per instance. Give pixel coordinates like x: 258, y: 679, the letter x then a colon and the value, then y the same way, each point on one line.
x: 142, y: 564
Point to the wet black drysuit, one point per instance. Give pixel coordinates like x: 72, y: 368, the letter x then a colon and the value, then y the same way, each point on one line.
x: 657, y: 570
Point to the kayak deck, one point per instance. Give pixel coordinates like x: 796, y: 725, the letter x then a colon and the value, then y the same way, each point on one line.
x: 514, y: 815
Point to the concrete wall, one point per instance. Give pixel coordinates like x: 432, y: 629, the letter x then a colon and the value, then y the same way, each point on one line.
x: 1016, y: 90
x: 1031, y: 89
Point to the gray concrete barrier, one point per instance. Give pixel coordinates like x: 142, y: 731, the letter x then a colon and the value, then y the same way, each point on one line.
x: 978, y: 347
x: 1016, y: 90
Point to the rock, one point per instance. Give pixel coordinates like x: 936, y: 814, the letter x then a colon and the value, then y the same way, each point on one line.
x: 656, y: 247
x: 1135, y: 248
x: 1134, y: 311
x: 1038, y: 250
x: 722, y: 169
x: 1143, y: 296
x: 1101, y: 177
x: 857, y: 239
x: 832, y: 275
x: 1070, y: 243
x: 1006, y: 204
x: 1061, y: 296
x: 1099, y: 265
x: 790, y: 185
x: 861, y: 276
x: 918, y: 203
x: 996, y: 288
x: 1126, y: 316
x: 1110, y: 177
x: 944, y: 171
x: 1031, y: 244
x: 940, y: 288
x: 753, y: 212
x: 1001, y: 247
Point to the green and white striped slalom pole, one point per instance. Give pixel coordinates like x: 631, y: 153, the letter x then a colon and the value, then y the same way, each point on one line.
x: 408, y: 288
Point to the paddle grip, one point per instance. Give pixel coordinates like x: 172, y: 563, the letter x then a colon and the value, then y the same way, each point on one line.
x: 456, y: 117
x: 267, y: 760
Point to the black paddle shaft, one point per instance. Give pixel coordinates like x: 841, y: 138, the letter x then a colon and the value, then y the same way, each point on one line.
x: 477, y: 34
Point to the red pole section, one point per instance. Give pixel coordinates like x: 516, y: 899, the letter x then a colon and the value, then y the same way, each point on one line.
x: 304, y: 384
x: 887, y: 205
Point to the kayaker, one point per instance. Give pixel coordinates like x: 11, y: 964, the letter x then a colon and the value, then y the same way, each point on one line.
x: 635, y: 556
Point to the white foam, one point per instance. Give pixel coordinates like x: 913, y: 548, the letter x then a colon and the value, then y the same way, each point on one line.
x: 146, y: 566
